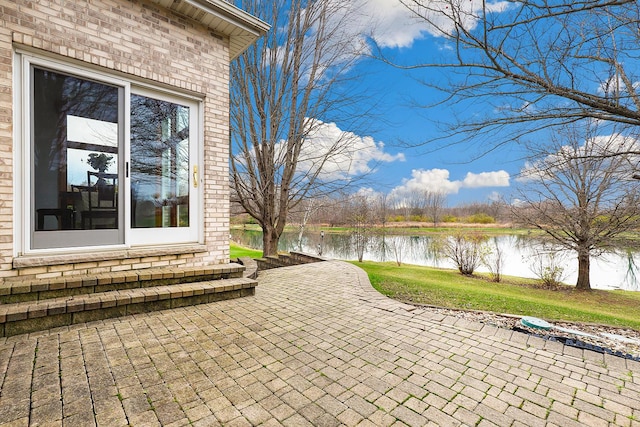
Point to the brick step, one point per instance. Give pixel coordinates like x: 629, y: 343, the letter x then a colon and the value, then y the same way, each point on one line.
x: 267, y: 263
x: 281, y: 260
x: 31, y: 316
x: 250, y: 266
x: 18, y: 289
x: 302, y: 258
x: 285, y: 260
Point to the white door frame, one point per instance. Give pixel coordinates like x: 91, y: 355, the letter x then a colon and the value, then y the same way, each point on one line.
x: 24, y: 223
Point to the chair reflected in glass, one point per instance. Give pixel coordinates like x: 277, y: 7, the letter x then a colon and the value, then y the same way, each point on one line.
x: 64, y: 214
x: 101, y: 201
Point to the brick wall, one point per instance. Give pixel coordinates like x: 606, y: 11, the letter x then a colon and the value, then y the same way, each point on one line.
x: 142, y: 41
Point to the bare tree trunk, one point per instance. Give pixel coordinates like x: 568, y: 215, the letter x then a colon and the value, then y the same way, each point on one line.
x: 270, y: 238
x: 308, y: 210
x: 584, y: 262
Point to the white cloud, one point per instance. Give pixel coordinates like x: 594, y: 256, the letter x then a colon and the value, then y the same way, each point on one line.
x: 368, y: 193
x: 600, y: 145
x: 431, y: 180
x: 344, y: 154
x: 393, y: 25
x: 438, y: 180
x: 486, y: 179
x: 616, y: 86
x: 390, y: 24
x: 518, y: 202
x: 495, y: 196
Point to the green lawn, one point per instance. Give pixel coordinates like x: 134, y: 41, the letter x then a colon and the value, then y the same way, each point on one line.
x: 237, y: 251
x: 448, y: 288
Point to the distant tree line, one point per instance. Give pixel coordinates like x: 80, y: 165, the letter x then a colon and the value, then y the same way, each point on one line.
x: 382, y: 210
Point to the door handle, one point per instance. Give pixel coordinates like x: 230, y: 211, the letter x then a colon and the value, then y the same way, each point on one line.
x: 195, y: 176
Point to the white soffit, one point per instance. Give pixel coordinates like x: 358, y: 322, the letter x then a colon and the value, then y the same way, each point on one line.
x: 224, y: 18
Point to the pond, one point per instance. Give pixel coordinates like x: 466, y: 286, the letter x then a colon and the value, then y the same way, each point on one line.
x: 521, y: 253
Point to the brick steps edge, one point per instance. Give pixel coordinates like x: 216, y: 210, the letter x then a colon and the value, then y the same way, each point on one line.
x: 250, y: 265
x: 26, y: 317
x: 15, y: 290
x: 286, y: 260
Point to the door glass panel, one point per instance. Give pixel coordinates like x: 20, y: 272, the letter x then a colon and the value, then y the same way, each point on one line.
x: 159, y: 163
x: 75, y: 134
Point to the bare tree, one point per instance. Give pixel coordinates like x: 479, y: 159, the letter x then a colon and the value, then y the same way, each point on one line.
x: 435, y: 202
x: 382, y: 209
x: 283, y: 87
x: 407, y: 205
x: 307, y: 209
x: 497, y: 209
x: 539, y: 63
x: 580, y: 194
x: 361, y: 220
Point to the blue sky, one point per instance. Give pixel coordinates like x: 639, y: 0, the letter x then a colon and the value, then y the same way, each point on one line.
x: 400, y: 168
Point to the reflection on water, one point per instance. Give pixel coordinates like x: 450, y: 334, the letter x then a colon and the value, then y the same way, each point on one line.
x: 608, y: 271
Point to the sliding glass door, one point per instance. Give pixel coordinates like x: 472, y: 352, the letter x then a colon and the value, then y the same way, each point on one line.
x: 108, y: 163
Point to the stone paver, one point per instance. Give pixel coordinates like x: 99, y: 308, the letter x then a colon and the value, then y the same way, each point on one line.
x: 315, y: 346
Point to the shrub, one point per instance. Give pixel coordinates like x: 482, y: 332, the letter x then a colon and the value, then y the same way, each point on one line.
x: 494, y: 260
x: 466, y: 251
x: 481, y: 218
x: 449, y: 218
x: 548, y: 267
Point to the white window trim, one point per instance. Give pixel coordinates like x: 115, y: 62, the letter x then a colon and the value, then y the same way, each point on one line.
x: 22, y: 62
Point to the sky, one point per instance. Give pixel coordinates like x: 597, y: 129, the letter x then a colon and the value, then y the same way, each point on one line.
x: 390, y: 147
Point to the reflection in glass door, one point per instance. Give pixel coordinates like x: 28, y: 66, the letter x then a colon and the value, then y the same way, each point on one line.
x: 160, y: 167
x: 74, y: 155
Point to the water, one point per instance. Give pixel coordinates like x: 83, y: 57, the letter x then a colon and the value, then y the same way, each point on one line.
x: 619, y: 270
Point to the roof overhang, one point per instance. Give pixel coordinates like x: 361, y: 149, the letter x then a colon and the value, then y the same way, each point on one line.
x: 222, y: 17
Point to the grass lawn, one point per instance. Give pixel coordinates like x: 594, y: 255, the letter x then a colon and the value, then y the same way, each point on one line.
x: 237, y: 251
x: 448, y: 288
